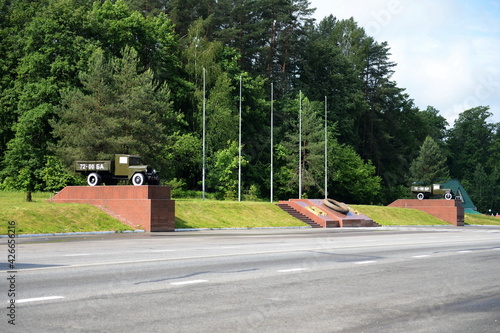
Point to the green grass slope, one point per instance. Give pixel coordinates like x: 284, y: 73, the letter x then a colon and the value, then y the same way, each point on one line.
x: 224, y: 214
x: 41, y: 217
x: 398, y: 216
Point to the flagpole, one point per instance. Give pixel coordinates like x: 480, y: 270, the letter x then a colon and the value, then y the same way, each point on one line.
x: 326, y: 148
x: 300, y: 144
x: 239, y: 150
x: 204, y: 139
x: 272, y: 138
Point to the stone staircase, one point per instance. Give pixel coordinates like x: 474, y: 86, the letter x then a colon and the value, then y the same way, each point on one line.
x: 293, y: 212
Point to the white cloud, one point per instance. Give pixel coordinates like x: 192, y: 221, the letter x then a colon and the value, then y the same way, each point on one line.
x: 446, y: 51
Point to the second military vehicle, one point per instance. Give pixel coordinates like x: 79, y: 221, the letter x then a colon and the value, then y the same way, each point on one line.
x: 124, y: 167
x: 427, y: 191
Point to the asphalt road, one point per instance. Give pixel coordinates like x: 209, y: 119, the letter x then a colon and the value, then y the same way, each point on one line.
x: 444, y: 279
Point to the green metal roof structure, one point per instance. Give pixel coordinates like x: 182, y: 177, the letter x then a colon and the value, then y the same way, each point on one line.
x: 459, y: 191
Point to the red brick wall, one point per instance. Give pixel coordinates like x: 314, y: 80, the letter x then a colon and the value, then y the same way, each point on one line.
x: 450, y: 211
x: 142, y: 207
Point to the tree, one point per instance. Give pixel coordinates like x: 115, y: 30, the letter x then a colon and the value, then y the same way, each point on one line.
x: 311, y: 141
x: 470, y: 142
x: 223, y: 173
x: 431, y: 165
x: 120, y: 109
x: 351, y: 179
x: 433, y: 124
x: 484, y: 189
x: 268, y: 34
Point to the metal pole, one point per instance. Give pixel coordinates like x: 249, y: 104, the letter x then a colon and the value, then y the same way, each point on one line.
x: 204, y: 145
x: 239, y: 150
x: 326, y: 148
x: 300, y: 144
x: 272, y: 138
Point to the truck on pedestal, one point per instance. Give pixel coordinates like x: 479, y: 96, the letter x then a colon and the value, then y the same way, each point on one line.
x: 427, y: 191
x: 124, y: 167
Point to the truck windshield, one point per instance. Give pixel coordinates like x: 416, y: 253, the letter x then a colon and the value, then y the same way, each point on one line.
x: 134, y: 161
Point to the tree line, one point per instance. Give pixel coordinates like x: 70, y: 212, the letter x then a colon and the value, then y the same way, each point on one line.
x: 86, y: 80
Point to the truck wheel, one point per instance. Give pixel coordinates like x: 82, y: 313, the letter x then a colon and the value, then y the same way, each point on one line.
x: 138, y: 179
x: 448, y: 196
x: 420, y: 196
x: 93, y: 179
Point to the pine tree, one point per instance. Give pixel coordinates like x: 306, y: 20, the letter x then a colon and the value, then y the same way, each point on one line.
x: 430, y: 166
x: 119, y: 110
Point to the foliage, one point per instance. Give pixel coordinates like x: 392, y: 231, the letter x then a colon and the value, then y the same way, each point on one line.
x: 430, y: 165
x: 118, y: 110
x: 224, y: 171
x: 82, y: 79
x: 55, y: 175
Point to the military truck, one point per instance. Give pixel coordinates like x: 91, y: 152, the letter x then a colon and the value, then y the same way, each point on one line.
x: 124, y: 167
x: 427, y: 191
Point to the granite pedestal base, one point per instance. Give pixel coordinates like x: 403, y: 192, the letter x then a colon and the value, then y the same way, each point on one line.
x: 142, y: 207
x: 450, y: 211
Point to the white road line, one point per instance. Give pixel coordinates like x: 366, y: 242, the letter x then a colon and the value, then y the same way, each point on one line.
x: 464, y: 251
x: 76, y: 254
x: 421, y: 256
x: 365, y: 262
x: 187, y: 282
x: 38, y: 299
x: 292, y: 270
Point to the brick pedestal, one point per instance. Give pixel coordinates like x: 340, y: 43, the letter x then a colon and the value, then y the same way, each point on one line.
x: 450, y: 211
x: 143, y: 207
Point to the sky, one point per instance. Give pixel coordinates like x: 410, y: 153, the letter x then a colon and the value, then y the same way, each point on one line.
x: 447, y: 51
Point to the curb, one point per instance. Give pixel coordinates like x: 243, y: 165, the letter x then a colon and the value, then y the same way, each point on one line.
x: 250, y: 228
x: 75, y: 233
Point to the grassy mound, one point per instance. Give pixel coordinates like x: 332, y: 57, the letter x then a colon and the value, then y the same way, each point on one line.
x: 481, y: 219
x: 224, y: 214
x: 41, y: 217
x: 398, y: 216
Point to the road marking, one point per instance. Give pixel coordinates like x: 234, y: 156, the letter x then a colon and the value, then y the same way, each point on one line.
x: 464, y: 251
x: 364, y: 262
x: 76, y: 254
x: 38, y: 299
x: 421, y: 256
x: 292, y: 270
x: 187, y: 282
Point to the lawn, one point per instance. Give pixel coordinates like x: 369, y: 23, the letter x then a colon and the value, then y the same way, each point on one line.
x: 398, y: 216
x: 40, y: 217
x: 227, y: 214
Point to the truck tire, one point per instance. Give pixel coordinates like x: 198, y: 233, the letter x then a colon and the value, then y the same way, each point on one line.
x: 448, y: 196
x: 420, y: 196
x: 93, y: 179
x: 138, y: 179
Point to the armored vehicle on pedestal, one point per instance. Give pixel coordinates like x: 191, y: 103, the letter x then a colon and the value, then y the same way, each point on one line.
x: 124, y: 167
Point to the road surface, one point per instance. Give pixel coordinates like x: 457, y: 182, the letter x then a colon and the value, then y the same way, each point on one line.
x: 427, y: 279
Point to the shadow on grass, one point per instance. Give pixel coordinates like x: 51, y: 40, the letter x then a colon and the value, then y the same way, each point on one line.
x: 182, y: 224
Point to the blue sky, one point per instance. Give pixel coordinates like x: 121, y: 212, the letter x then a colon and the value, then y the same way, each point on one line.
x: 447, y: 51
